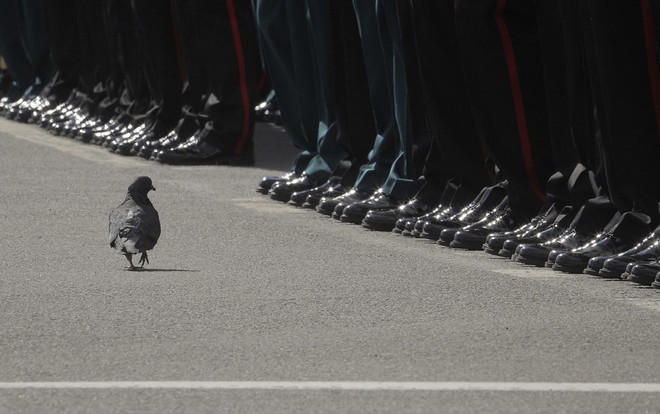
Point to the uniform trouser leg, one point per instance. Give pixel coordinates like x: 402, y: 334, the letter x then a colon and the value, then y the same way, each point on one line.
x: 35, y: 37
x: 418, y: 113
x: 569, y: 102
x: 328, y: 151
x: 353, y: 112
x: 18, y: 64
x: 191, y: 54
x: 89, y: 23
x: 135, y: 98
x: 287, y: 58
x: 502, y: 61
x: 401, y: 181
x: 623, y: 41
x: 64, y: 47
x: 374, y: 174
x: 457, y: 150
x: 227, y: 35
x: 155, y: 33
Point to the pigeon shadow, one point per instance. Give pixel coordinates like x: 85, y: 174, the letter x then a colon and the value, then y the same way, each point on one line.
x: 142, y: 269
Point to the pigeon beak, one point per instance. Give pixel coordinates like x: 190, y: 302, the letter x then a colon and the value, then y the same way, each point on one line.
x: 153, y: 188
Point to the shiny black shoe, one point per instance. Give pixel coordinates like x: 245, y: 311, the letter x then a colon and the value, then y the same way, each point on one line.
x: 327, y: 205
x: 495, y: 241
x: 589, y: 220
x: 625, y: 275
x: 379, y: 201
x: 541, y: 234
x: 656, y: 283
x: 406, y: 225
x: 124, y: 147
x: 454, y: 198
x: 283, y: 190
x: 614, y: 266
x: 448, y: 235
x: 199, y: 152
x: 266, y: 111
x: 538, y: 254
x: 298, y: 198
x: 385, y: 220
x: 268, y: 181
x: 313, y: 200
x: 620, y: 237
x: 487, y: 199
x: 474, y: 237
x: 152, y: 148
x: 644, y: 273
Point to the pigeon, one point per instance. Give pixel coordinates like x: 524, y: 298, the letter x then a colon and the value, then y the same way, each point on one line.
x: 134, y: 224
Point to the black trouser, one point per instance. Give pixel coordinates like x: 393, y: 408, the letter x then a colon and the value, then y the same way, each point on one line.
x: 622, y: 48
x: 456, y: 151
x: 156, y: 40
x: 226, y: 35
x: 502, y: 60
x: 353, y: 110
x: 24, y: 42
x: 64, y: 48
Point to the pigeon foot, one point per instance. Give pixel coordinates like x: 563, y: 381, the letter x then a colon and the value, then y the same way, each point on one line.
x: 144, y: 258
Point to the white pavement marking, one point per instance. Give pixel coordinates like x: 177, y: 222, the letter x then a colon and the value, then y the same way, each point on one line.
x: 605, y: 387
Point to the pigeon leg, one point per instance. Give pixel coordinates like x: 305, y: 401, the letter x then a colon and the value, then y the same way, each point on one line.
x: 143, y: 258
x: 130, y: 261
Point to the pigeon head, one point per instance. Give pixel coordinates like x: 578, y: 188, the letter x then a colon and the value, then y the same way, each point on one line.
x: 140, y: 187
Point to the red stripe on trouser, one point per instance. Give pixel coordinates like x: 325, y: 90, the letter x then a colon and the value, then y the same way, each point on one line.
x: 240, y: 59
x: 654, y: 72
x: 519, y: 107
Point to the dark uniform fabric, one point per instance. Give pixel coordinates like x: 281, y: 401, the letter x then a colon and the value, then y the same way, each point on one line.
x: 292, y: 56
x: 622, y: 42
x: 391, y: 163
x: 356, y: 129
x: 156, y: 41
x: 64, y: 48
x: 575, y: 150
x: 226, y: 34
x: 502, y: 61
x: 457, y: 151
x: 24, y: 44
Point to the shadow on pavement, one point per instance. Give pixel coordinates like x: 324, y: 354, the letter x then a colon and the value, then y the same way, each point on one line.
x: 272, y: 147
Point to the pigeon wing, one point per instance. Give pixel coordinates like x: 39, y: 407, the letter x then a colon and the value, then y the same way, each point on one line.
x: 126, y: 226
x: 150, y: 227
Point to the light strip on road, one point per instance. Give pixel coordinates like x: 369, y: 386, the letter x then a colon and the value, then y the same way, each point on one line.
x: 345, y: 386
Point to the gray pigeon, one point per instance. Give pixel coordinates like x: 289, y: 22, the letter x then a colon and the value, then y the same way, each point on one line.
x: 134, y: 224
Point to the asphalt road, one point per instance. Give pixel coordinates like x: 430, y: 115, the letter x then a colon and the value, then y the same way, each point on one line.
x: 243, y: 292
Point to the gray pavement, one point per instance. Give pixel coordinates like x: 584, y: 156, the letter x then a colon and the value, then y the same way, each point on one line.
x: 243, y: 288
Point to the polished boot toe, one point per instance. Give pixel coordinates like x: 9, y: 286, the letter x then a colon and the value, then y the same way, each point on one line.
x: 200, y: 152
x: 299, y: 197
x: 532, y: 254
x: 268, y: 181
x: 334, y: 206
x: 475, y: 238
x: 656, y: 283
x: 380, y: 220
x: 577, y: 260
x: 644, y: 273
x: 386, y: 220
x: 647, y: 249
x: 313, y: 199
x: 282, y: 191
x: 613, y: 267
x: 356, y: 212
